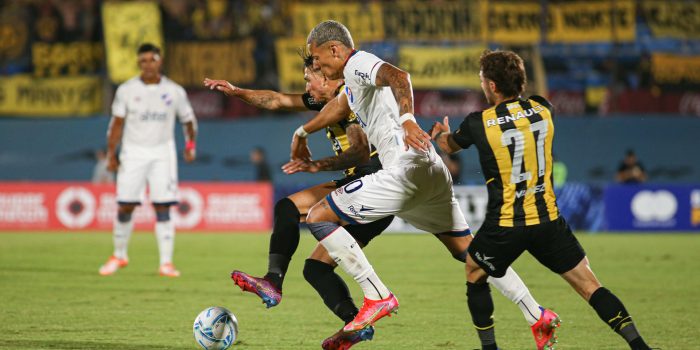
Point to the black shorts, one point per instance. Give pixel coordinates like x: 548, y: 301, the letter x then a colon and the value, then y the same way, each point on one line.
x: 552, y: 243
x: 346, y: 180
x: 365, y: 232
x: 370, y: 167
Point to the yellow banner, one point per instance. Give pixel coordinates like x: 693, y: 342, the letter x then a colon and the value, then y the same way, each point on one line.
x: 675, y: 19
x: 511, y: 22
x: 674, y: 69
x: 126, y: 26
x: 66, y: 58
x: 418, y: 20
x: 290, y: 66
x: 188, y: 63
x: 22, y: 95
x: 588, y: 21
x: 365, y: 22
x: 441, y: 67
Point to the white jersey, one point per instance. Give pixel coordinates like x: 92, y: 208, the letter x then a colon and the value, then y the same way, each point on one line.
x: 376, y: 109
x: 149, y: 111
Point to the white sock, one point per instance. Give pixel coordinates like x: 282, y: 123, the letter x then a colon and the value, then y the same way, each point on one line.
x: 121, y: 233
x: 165, y: 234
x: 513, y: 288
x: 349, y: 256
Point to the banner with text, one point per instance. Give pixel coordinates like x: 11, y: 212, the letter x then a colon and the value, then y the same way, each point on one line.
x: 23, y: 95
x: 188, y: 63
x: 672, y: 69
x: 587, y: 21
x: 83, y: 206
x: 511, y: 22
x: 675, y: 19
x: 652, y: 208
x: 56, y: 59
x: 364, y: 21
x: 418, y: 20
x: 126, y: 26
x: 441, y: 67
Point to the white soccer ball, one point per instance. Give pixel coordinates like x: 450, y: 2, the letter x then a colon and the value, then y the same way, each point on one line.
x: 215, y: 328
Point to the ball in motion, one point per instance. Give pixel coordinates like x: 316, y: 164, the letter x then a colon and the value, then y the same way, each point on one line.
x: 215, y: 328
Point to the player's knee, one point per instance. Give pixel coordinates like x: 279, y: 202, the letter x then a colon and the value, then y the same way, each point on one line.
x: 461, y: 256
x: 322, y: 229
x: 163, y: 215
x: 124, y: 216
x: 315, y: 268
x: 286, y: 208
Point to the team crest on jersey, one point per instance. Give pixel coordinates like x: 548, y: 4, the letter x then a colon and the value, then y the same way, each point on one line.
x: 167, y: 99
x: 349, y: 93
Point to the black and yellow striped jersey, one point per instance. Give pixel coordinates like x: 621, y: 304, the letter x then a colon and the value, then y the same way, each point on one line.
x: 514, y: 140
x: 339, y: 139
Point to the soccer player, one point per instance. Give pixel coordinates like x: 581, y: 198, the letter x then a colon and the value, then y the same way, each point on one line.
x: 514, y: 139
x: 143, y: 121
x: 413, y: 184
x: 354, y: 156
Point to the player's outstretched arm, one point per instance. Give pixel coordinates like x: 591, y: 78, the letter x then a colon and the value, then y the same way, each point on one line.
x: 333, y: 112
x: 440, y: 132
x: 114, y: 136
x: 400, y: 83
x: 356, y: 154
x: 265, y: 99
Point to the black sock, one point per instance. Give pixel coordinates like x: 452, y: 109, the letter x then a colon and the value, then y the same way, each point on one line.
x: 283, y: 241
x: 611, y: 310
x: 331, y: 288
x: 481, y: 309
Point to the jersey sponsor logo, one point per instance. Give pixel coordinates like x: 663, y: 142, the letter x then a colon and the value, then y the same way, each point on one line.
x: 363, y: 208
x: 514, y: 116
x: 531, y: 190
x: 153, y: 116
x: 485, y: 260
x: 364, y: 76
x: 356, y: 212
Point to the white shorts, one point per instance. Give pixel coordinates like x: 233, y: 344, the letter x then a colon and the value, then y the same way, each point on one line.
x: 159, y: 172
x: 421, y: 195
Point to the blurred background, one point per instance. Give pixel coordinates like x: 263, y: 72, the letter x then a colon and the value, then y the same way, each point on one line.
x: 623, y: 75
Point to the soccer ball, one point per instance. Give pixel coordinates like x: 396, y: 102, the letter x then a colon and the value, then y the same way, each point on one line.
x: 215, y: 328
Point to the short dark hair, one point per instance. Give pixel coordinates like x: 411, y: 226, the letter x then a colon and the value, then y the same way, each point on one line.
x: 148, y: 47
x: 306, y: 57
x: 506, y: 69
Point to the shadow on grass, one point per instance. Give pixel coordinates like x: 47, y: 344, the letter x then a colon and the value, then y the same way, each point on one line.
x: 83, y: 345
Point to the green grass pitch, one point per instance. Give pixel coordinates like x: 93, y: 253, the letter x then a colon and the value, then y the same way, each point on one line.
x: 51, y: 296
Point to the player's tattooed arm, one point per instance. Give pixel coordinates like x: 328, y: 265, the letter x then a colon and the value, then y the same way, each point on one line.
x: 356, y: 154
x: 333, y: 112
x: 265, y: 99
x: 114, y: 137
x: 400, y: 83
